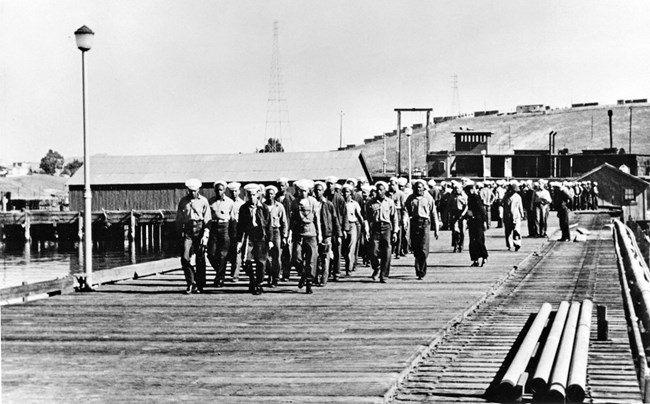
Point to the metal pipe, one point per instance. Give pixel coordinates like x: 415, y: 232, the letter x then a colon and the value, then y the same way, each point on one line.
x: 611, y: 137
x: 578, y: 372
x: 557, y: 389
x: 519, y: 363
x: 384, y: 162
x: 550, y: 156
x: 553, y: 173
x: 539, y: 384
x: 410, y: 161
x: 398, y: 167
x: 630, y: 148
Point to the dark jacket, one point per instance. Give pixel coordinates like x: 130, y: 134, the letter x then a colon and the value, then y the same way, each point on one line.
x: 329, y: 226
x: 340, y: 211
x: 286, y: 202
x: 262, y: 231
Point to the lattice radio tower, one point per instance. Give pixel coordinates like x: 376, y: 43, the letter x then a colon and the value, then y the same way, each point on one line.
x: 277, y: 113
x: 455, y: 99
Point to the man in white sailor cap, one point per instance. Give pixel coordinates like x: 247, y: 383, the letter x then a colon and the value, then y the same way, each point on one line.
x: 222, y: 210
x: 233, y: 257
x: 254, y: 235
x: 334, y: 196
x: 286, y: 199
x: 193, y: 224
x: 381, y: 225
x: 399, y: 200
x: 279, y: 233
x: 328, y: 231
x: 305, y: 233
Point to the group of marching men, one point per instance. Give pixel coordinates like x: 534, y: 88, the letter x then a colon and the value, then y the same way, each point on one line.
x: 269, y: 231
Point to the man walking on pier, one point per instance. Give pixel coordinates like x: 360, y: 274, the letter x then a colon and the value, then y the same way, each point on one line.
x: 305, y: 233
x: 233, y: 257
x: 328, y: 229
x: 513, y: 214
x: 337, y: 200
x: 221, y: 208
x: 254, y: 235
x: 286, y: 199
x: 192, y: 223
x: 280, y: 229
x: 382, y: 225
x: 421, y: 210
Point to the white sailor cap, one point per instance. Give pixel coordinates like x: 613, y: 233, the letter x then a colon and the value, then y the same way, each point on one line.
x: 501, y: 182
x: 352, y: 180
x: 366, y: 188
x: 348, y: 187
x: 193, y: 184
x: 402, y: 181
x: 304, y: 184
x: 337, y: 186
x: 363, y: 180
x: 234, y: 186
x: 320, y: 184
x: 382, y: 183
x: 220, y: 183
x: 271, y: 188
x: 391, y: 179
x: 252, y: 188
x: 283, y: 180
x: 331, y: 179
x: 432, y: 183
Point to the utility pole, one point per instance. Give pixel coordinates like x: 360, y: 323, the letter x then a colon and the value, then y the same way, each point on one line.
x: 341, y: 129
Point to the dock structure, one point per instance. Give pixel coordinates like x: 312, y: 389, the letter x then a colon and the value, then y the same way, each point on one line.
x: 144, y: 228
x: 355, y: 341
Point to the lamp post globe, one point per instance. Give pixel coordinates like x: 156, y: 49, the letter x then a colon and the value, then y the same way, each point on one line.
x: 84, y: 37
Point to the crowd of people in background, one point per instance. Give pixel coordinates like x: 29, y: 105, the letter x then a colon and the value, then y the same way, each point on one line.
x: 324, y: 229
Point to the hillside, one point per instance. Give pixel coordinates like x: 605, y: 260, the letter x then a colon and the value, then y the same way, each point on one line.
x: 527, y: 131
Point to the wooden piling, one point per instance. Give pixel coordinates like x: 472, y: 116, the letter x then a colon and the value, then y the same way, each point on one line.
x: 28, y: 227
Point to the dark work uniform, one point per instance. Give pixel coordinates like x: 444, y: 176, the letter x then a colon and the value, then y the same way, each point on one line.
x: 382, y: 220
x: 475, y: 223
x: 254, y: 230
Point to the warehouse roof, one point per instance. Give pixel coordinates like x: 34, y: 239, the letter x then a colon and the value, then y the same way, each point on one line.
x: 249, y: 167
x: 33, y: 187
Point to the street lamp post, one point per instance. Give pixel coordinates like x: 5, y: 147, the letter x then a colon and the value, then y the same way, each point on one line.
x: 84, y: 37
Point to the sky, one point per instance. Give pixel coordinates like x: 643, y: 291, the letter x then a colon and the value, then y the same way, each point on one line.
x: 193, y: 76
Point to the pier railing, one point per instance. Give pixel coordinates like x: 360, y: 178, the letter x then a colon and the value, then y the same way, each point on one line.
x: 635, y: 285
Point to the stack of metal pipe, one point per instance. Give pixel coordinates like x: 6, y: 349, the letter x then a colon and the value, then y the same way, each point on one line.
x: 561, y: 357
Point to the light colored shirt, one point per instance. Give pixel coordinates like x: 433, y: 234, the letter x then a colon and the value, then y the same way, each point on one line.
x: 237, y: 204
x: 542, y: 196
x: 193, y: 209
x: 422, y: 207
x: 278, y: 217
x: 222, y: 209
x: 383, y: 211
x: 353, y: 211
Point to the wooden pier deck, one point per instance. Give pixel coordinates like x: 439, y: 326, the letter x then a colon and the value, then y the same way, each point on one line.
x: 144, y: 341
x: 469, y: 360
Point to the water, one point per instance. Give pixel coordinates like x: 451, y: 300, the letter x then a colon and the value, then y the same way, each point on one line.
x: 31, y: 264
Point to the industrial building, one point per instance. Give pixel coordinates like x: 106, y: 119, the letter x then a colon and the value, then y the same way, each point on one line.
x: 472, y: 158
